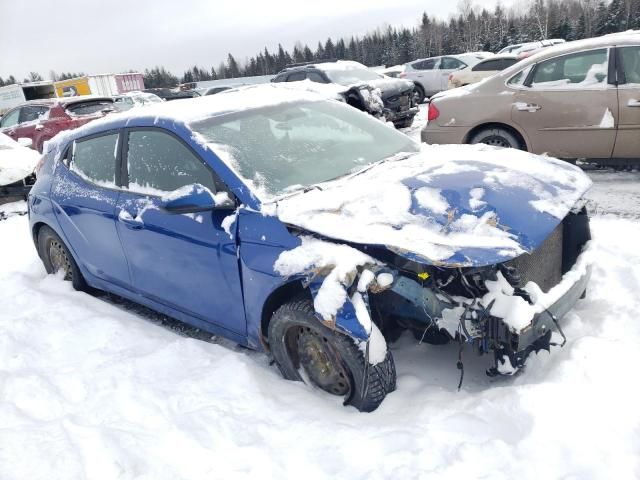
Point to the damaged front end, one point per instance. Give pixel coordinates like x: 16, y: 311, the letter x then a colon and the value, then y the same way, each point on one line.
x: 509, y: 309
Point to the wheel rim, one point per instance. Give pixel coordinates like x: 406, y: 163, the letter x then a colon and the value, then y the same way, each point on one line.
x: 59, y: 259
x: 497, y: 141
x: 320, y: 362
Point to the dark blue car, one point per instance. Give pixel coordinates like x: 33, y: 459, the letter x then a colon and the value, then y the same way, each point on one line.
x: 297, y: 225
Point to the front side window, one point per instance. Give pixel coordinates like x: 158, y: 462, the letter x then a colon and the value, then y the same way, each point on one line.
x: 577, y: 70
x: 630, y: 59
x: 95, y: 159
x: 296, y: 77
x: 315, y: 77
x: 158, y: 163
x: 284, y: 147
x: 10, y: 119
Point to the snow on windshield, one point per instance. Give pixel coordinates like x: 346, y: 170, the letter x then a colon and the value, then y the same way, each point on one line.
x: 296, y: 145
x: 345, y: 72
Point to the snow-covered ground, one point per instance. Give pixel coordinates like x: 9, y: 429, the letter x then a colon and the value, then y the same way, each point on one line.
x: 95, y: 387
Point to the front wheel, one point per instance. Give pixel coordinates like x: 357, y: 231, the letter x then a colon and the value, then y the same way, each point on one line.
x: 498, y: 137
x: 418, y: 94
x: 304, y: 349
x: 57, y: 259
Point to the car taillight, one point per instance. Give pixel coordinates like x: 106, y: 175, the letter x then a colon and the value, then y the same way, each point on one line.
x: 433, y: 112
x: 403, y: 75
x: 450, y: 76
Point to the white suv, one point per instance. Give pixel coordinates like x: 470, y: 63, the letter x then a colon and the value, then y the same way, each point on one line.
x: 431, y: 75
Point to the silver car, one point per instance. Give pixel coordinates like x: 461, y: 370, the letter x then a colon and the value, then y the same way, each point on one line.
x: 431, y: 75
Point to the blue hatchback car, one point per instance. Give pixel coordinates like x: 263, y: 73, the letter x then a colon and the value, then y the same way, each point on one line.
x: 299, y: 226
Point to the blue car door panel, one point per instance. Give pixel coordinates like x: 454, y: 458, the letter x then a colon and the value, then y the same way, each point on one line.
x: 84, y: 197
x: 184, y: 261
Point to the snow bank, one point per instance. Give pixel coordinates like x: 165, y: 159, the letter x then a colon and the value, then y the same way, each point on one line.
x: 94, y: 389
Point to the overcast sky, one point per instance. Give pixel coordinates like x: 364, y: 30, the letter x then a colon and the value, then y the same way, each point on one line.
x: 110, y: 36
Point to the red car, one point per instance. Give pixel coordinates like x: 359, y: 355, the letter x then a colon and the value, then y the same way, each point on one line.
x: 41, y: 120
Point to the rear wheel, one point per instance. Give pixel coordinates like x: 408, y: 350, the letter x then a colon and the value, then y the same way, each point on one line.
x: 418, y: 94
x: 56, y: 257
x: 306, y: 350
x: 498, y: 137
x: 404, y: 123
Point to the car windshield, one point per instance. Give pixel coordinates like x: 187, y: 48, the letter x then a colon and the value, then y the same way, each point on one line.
x: 349, y: 76
x: 281, y: 148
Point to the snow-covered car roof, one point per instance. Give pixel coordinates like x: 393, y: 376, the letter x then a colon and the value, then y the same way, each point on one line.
x: 16, y: 161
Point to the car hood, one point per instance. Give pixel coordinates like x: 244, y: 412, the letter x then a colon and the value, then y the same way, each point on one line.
x: 452, y: 205
x: 391, y: 86
x: 16, y: 161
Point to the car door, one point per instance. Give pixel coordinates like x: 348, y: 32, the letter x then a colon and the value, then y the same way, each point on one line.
x: 568, y: 106
x: 628, y: 137
x: 85, y: 193
x: 446, y: 66
x: 484, y: 69
x: 32, y: 124
x: 425, y: 73
x: 187, y: 262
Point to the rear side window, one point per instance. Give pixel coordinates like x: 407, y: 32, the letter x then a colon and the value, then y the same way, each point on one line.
x: 488, y: 66
x: 158, y: 163
x: 32, y: 113
x: 630, y: 59
x: 88, y: 108
x: 507, y: 62
x: 577, y: 70
x: 95, y: 159
x: 424, y: 65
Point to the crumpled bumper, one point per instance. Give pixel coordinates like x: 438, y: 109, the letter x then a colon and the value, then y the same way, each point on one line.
x: 538, y: 334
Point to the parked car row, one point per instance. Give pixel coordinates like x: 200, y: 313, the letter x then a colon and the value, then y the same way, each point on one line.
x: 578, y: 100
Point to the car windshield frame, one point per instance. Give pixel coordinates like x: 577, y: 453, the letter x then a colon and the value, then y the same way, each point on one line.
x: 253, y: 160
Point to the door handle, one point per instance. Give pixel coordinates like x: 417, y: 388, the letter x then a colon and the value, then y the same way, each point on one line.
x: 130, y: 222
x: 527, y: 107
x: 633, y: 103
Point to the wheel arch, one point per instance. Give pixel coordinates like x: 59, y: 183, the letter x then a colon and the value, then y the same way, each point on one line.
x: 488, y: 125
x: 278, y: 297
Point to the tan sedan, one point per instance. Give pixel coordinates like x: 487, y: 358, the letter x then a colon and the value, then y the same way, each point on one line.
x: 580, y: 100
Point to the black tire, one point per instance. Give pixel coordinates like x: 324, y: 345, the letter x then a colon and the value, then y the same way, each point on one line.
x: 404, y: 123
x: 346, y: 372
x: 498, y: 137
x: 56, y: 256
x: 419, y: 94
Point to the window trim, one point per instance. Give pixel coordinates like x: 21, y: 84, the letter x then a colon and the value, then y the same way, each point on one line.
x: 527, y: 84
x: 66, y: 161
x: 219, y: 185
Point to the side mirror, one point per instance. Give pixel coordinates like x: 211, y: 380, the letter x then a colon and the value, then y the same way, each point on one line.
x: 195, y: 198
x: 25, y: 142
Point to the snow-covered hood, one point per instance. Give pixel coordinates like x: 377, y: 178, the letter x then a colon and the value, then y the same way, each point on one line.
x: 453, y: 205
x: 391, y: 86
x: 16, y: 161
